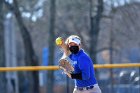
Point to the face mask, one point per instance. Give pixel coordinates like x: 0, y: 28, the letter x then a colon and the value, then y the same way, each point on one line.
x: 74, y: 49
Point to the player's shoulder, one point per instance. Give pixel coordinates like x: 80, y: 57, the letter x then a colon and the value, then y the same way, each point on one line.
x: 83, y: 54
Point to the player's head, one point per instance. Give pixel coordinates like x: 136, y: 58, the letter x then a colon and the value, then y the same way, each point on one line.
x: 74, y: 43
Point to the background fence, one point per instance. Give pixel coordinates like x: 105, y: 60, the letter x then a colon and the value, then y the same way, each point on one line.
x: 117, y: 78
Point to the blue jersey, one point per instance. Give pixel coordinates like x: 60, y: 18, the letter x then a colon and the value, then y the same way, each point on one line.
x: 82, y: 63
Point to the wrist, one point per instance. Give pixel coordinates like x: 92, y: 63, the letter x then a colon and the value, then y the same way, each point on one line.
x: 68, y: 74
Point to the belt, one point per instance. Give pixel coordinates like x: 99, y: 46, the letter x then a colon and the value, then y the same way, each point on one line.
x: 85, y: 88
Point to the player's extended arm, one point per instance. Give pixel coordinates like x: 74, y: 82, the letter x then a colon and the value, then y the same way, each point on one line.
x: 64, y: 62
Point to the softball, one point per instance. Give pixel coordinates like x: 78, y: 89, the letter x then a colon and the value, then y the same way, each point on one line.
x: 59, y: 41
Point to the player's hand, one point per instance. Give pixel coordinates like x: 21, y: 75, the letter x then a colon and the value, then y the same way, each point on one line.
x: 61, y: 43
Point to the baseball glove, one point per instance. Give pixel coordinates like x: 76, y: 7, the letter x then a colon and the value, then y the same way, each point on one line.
x: 65, y: 65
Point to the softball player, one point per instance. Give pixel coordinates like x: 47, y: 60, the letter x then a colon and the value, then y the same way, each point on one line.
x: 83, y: 74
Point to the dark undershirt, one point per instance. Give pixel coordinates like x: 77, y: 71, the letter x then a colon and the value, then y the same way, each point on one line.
x: 76, y: 76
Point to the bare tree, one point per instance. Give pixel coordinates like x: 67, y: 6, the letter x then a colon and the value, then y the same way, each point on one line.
x: 95, y: 24
x: 51, y: 39
x: 2, y: 55
x: 30, y: 56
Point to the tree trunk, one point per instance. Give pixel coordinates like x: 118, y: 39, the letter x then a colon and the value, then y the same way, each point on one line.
x: 94, y: 31
x: 51, y: 39
x: 30, y: 56
x: 2, y: 54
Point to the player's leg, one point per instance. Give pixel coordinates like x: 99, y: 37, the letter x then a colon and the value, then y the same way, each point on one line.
x: 96, y: 89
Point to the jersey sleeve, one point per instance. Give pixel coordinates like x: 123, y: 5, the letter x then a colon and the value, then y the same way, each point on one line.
x: 84, y: 63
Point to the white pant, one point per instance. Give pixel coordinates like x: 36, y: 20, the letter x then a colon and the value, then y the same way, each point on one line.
x: 96, y: 89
